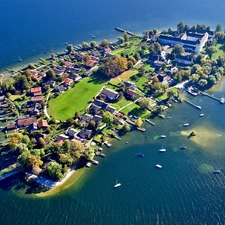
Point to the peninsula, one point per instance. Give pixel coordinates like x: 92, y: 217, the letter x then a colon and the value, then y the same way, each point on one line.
x: 61, y: 112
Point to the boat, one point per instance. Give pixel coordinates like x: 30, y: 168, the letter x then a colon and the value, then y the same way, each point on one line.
x: 222, y: 100
x: 202, y: 114
x: 162, y: 136
x: 162, y: 150
x: 190, y: 91
x: 102, y: 155
x: 93, y: 36
x: 140, y: 155
x: 95, y: 162
x: 198, y: 107
x: 88, y: 164
x: 117, y: 184
x: 216, y: 171
x: 161, y: 116
x: 183, y: 147
x: 19, y: 59
x: 158, y: 166
x: 186, y: 124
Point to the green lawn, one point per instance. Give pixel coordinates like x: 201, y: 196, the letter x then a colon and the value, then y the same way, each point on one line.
x: 135, y: 110
x: 129, y: 108
x: 141, y: 81
x: 122, y: 102
x: 75, y: 99
x: 126, y: 50
x: 220, y: 51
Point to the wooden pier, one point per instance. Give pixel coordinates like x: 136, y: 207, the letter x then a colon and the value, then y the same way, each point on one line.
x: 190, y: 103
x: 149, y: 121
x: 128, y: 32
x: 211, y: 96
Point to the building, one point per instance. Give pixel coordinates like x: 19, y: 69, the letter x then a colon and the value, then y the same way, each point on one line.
x: 130, y: 94
x: 191, y: 41
x: 109, y: 94
x: 184, y: 59
x: 43, y: 124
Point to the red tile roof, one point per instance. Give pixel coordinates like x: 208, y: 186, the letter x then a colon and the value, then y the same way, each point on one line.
x: 35, y: 89
x: 90, y: 63
x: 37, y: 98
x: 68, y: 81
x: 26, y: 122
x: 43, y: 124
x: 69, y: 64
x: 37, y: 93
x: 11, y: 126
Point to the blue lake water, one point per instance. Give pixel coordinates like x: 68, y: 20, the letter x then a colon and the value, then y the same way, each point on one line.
x: 185, y: 191
x: 31, y: 28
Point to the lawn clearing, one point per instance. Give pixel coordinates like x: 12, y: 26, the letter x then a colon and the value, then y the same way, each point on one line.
x: 121, y: 103
x: 75, y: 99
x: 124, y: 76
x: 220, y: 51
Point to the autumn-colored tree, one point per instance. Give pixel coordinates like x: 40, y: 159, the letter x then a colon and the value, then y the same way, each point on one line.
x: 139, y: 122
x: 15, y: 140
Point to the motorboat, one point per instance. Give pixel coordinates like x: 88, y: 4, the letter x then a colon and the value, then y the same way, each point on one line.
x: 158, y: 166
x: 88, y: 164
x: 162, y: 150
x: 162, y: 136
x: 183, y: 147
x: 186, y: 124
x: 117, y: 184
x: 216, y: 171
x: 202, y: 114
x: 140, y: 155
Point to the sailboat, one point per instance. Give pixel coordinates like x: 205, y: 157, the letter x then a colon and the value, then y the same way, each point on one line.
x: 202, y: 114
x: 158, y: 166
x: 162, y: 150
x: 117, y: 184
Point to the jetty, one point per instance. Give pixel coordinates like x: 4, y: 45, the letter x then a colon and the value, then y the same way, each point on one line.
x: 149, y: 121
x: 141, y: 129
x: 211, y: 96
x: 190, y: 103
x: 128, y: 32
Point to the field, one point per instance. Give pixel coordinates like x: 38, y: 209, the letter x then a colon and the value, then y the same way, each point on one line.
x: 75, y: 99
x: 220, y: 51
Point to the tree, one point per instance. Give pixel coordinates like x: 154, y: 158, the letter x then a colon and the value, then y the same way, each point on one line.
x: 212, y: 80
x: 21, y: 83
x: 139, y: 122
x: 34, y: 161
x: 170, y: 31
x: 93, y: 44
x: 66, y: 146
x: 14, y: 141
x: 125, y: 36
x: 210, y: 50
x: 23, y: 158
x: 171, y: 93
x: 125, y: 128
x: 187, y: 27
x: 137, y: 56
x: 155, y: 47
x: 178, y: 50
x: 145, y: 103
x: 121, y: 39
x: 55, y: 170
x: 107, y: 117
x: 203, y: 83
x: 21, y: 147
x: 50, y: 74
x: 86, y: 58
x: 104, y: 43
x: 85, y: 45
x: 69, y: 48
x: 155, y: 31
x: 89, y: 153
x: 180, y: 27
x: 219, y: 28
x: 41, y: 142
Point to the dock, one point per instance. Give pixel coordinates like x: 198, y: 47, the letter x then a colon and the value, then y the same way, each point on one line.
x: 149, y: 121
x: 128, y: 32
x: 190, y: 103
x: 211, y: 96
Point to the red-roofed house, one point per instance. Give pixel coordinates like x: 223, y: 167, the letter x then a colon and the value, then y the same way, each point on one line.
x: 90, y: 63
x: 43, y: 124
x: 37, y: 98
x: 69, y: 64
x: 68, y: 81
x: 35, y: 90
x: 26, y: 122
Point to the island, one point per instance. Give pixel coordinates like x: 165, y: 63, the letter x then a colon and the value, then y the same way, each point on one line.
x: 60, y: 113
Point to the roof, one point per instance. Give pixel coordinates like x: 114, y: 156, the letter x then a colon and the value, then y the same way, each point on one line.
x: 131, y: 92
x: 97, y: 118
x: 26, y: 122
x: 85, y: 133
x: 35, y: 89
x: 37, y: 93
x: 37, y: 98
x: 184, y: 57
x: 100, y: 103
x: 110, y: 109
x: 109, y: 93
x: 43, y: 124
x: 169, y: 38
x: 94, y: 108
x: 11, y: 126
x: 90, y: 63
x: 69, y: 64
x: 72, y: 131
x: 68, y: 81
x: 86, y: 117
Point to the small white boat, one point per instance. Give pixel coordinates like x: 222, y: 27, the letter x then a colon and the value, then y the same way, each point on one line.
x: 95, y: 162
x: 117, y: 184
x: 158, y: 166
x: 183, y: 147
x: 88, y: 164
x: 222, y: 100
x: 201, y: 115
x: 186, y: 124
x: 162, y: 136
x: 162, y: 150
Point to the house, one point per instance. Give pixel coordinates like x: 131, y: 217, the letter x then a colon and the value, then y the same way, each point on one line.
x: 2, y: 98
x: 75, y: 77
x: 69, y: 64
x: 26, y: 122
x: 97, y: 118
x: 158, y: 63
x: 88, y: 73
x: 130, y: 84
x: 43, y: 124
x: 37, y: 98
x: 51, y: 83
x: 174, y: 70
x: 85, y: 119
x: 60, y: 88
x: 109, y: 94
x: 11, y: 126
x: 100, y: 103
x: 85, y: 133
x: 110, y: 109
x: 71, y: 132
x: 94, y: 109
x: 59, y: 70
x: 34, y: 126
x: 68, y: 82
x: 184, y: 59
x: 130, y: 94
x: 35, y: 90
x: 90, y: 63
x: 62, y: 137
